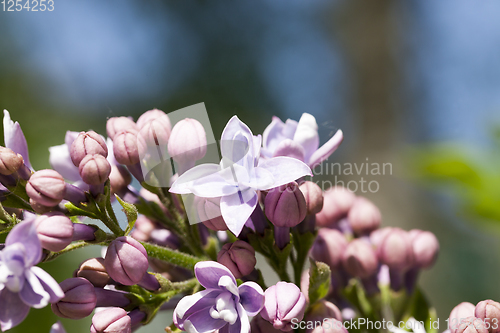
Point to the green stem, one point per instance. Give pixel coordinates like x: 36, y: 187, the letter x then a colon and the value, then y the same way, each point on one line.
x: 171, y: 256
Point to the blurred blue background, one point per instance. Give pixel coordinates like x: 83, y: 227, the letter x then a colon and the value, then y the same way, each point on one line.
x: 389, y: 73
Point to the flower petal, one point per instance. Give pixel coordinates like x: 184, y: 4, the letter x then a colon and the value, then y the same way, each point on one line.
x: 290, y: 148
x: 206, y: 180
x: 261, y: 179
x: 307, y: 134
x: 242, y: 325
x: 202, y: 322
x: 49, y: 284
x: 285, y: 169
x: 237, y: 144
x: 25, y: 233
x: 276, y: 132
x: 12, y: 310
x: 33, y: 292
x: 251, y: 297
x: 326, y: 150
x: 14, y: 138
x: 237, y: 208
x: 194, y: 303
x: 60, y: 161
x: 209, y: 273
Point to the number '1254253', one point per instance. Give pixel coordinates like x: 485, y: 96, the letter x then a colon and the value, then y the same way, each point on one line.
x: 27, y: 5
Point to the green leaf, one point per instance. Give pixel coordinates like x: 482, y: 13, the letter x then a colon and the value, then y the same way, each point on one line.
x: 130, y: 211
x: 319, y: 281
x: 85, y: 210
x: 420, y: 309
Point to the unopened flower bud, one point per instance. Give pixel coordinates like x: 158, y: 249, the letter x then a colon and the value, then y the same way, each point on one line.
x: 46, y: 187
x: 125, y: 147
x: 396, y: 250
x: 54, y: 230
x: 10, y: 162
x: 260, y: 325
x: 284, y: 305
x: 425, y: 247
x: 313, y: 195
x: 118, y: 124
x: 151, y: 115
x: 79, y: 299
x: 323, y: 309
x: 329, y: 247
x: 377, y: 236
x: 111, y: 320
x: 187, y: 143
x: 87, y: 143
x: 239, y: 257
x: 155, y: 133
x: 364, y: 216
x: 94, y: 169
x: 337, y: 202
x: 472, y: 325
x: 126, y: 261
x: 459, y: 313
x: 209, y: 213
x: 119, y: 178
x: 359, y: 259
x: 489, y: 312
x: 57, y: 328
x: 94, y: 271
x: 285, y: 206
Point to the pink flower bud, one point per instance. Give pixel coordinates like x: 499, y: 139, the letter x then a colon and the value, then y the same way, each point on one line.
x: 472, y: 325
x: 126, y: 261
x: 285, y: 206
x: 94, y: 169
x: 489, y: 312
x: 187, y: 144
x: 10, y: 162
x: 459, y: 313
x: 119, y: 178
x: 337, y: 202
x: 329, y: 247
x: 46, y: 187
x: 323, y: 309
x: 87, y: 143
x: 79, y: 299
x: 313, y: 195
x: 54, y: 230
x: 118, y: 124
x: 377, y: 236
x: 151, y: 115
x: 111, y: 320
x: 364, y: 216
x: 396, y: 250
x: 94, y: 271
x: 209, y: 213
x: 239, y: 257
x: 283, y: 302
x: 359, y: 259
x: 156, y: 132
x: 125, y: 147
x: 425, y: 247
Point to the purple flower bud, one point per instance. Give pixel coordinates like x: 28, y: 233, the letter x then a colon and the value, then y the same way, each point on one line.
x: 209, y: 213
x: 57, y: 328
x: 119, y: 179
x: 239, y: 257
x: 283, y: 302
x: 151, y: 115
x: 329, y: 247
x: 125, y: 147
x: 260, y: 325
x: 472, y: 325
x: 39, y: 208
x: 377, y: 236
x: 46, y: 187
x: 126, y: 261
x: 459, y: 313
x: 94, y: 271
x: 285, y: 206
x: 396, y: 250
x: 111, y: 320
x: 54, y: 230
x: 331, y: 325
x: 337, y: 202
x: 489, y: 312
x: 156, y: 132
x: 313, y: 195
x: 323, y: 309
x: 118, y: 124
x: 187, y: 144
x: 79, y: 299
x: 425, y: 247
x: 359, y: 259
x: 87, y: 143
x: 94, y: 169
x: 10, y: 162
x: 364, y: 216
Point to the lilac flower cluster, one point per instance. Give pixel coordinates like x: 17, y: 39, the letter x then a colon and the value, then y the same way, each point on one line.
x: 325, y: 247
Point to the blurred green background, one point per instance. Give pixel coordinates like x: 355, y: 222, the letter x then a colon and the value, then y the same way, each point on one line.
x: 393, y: 75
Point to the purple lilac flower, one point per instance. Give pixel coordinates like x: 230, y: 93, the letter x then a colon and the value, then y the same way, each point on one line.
x: 57, y: 328
x: 239, y: 175
x: 14, y: 138
x: 23, y: 285
x: 222, y: 305
x: 299, y: 140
